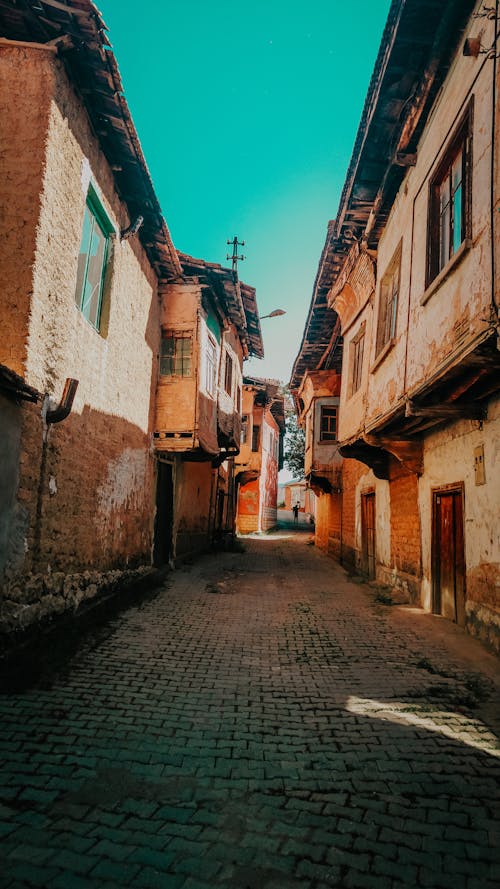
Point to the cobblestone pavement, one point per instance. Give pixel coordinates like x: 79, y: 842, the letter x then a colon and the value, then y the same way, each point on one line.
x: 261, y: 723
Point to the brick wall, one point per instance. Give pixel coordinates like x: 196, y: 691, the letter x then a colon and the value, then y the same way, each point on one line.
x: 405, y: 525
x: 327, y: 521
x: 352, y: 472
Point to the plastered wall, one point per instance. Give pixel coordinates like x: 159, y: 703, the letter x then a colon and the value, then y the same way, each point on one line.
x: 449, y: 458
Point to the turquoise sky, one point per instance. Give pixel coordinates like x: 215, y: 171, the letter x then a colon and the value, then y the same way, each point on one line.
x: 247, y: 114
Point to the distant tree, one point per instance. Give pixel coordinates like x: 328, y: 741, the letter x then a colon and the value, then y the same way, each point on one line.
x: 295, y: 445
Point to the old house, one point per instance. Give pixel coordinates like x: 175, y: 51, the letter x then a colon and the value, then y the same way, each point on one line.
x: 82, y: 247
x: 315, y: 384
x: 209, y: 326
x: 261, y: 453
x: 414, y: 253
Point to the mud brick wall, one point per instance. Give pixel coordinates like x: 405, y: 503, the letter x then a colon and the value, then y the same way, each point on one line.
x: 26, y: 84
x: 328, y: 523
x: 85, y: 497
x: 194, y: 495
x: 405, y: 524
x: 352, y: 471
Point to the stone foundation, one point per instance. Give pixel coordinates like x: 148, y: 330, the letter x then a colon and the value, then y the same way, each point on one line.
x: 40, y: 598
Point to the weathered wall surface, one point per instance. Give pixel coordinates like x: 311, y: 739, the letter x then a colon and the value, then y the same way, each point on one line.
x: 353, y: 473
x: 448, y: 459
x: 12, y: 544
x: 269, y: 473
x: 26, y: 85
x: 176, y: 397
x: 248, y: 508
x: 445, y: 317
x: 193, y: 488
x: 404, y: 566
x: 328, y: 523
x: 85, y: 485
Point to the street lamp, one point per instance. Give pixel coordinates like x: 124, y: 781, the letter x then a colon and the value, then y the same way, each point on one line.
x: 273, y: 314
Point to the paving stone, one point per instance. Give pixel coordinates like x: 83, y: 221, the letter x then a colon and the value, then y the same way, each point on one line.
x: 280, y: 736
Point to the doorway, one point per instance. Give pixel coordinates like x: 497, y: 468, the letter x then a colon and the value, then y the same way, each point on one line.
x: 162, y: 551
x: 448, y: 554
x: 368, y: 534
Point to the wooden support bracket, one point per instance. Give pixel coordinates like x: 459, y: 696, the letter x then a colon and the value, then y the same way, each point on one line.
x: 408, y: 453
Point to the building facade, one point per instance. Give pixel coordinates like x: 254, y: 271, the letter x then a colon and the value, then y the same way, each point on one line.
x: 80, y: 324
x: 261, y: 454
x: 414, y: 254
x: 316, y: 385
x: 209, y: 326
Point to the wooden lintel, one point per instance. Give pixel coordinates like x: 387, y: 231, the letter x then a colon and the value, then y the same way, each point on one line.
x: 464, y: 411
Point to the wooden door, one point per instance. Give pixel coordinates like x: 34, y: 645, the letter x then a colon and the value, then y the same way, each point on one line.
x: 448, y: 554
x: 162, y: 552
x: 368, y: 533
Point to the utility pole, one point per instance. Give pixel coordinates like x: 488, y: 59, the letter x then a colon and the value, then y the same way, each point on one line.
x: 234, y: 256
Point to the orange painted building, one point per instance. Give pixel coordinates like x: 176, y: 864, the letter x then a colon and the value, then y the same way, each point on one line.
x: 209, y: 326
x: 260, y: 456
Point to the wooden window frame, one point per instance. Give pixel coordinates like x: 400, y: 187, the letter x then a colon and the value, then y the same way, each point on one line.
x: 245, y: 422
x: 328, y: 412
x: 228, y: 373
x: 460, y: 143
x: 99, y: 219
x: 255, y: 438
x: 177, y: 336
x: 390, y: 287
x: 356, y: 355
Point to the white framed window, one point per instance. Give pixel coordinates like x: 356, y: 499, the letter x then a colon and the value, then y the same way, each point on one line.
x: 211, y: 367
x: 388, y: 302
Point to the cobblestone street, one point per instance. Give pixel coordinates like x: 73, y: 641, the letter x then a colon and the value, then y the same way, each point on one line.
x: 262, y: 722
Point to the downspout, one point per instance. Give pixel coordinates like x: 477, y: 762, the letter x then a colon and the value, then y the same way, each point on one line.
x: 49, y: 416
x: 63, y: 409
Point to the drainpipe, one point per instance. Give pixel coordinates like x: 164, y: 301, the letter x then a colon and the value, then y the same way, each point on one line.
x: 54, y: 415
x: 63, y: 409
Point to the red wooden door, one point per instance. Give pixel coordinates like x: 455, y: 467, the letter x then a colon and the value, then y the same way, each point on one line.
x: 368, y: 533
x: 448, y: 555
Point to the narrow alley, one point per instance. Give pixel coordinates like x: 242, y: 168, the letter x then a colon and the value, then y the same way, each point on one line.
x: 262, y: 722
